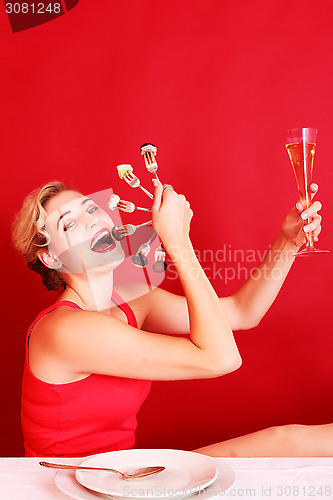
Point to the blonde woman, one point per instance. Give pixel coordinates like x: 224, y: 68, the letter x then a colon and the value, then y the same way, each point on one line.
x: 91, y: 356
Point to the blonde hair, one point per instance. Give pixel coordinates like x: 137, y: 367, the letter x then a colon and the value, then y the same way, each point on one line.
x: 29, y: 234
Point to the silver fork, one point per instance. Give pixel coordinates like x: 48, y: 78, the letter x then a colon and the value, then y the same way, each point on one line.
x: 144, y: 249
x: 139, y: 472
x: 160, y: 265
x: 139, y: 258
x: 148, y: 151
x: 134, y: 182
x: 128, y: 206
x: 129, y: 229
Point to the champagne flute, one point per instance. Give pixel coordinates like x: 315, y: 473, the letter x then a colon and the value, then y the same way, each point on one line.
x: 301, y: 146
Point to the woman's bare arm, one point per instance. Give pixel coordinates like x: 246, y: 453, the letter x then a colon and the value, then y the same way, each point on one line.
x: 93, y: 342
x: 244, y: 310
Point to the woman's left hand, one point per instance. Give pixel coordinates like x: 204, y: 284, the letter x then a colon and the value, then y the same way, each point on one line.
x: 295, y: 227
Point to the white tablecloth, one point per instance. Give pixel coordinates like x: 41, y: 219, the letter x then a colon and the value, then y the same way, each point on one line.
x: 256, y: 478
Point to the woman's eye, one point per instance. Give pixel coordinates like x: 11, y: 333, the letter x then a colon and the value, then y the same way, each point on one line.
x: 92, y: 210
x: 69, y: 225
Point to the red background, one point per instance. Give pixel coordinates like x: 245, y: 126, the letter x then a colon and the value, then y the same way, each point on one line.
x: 213, y: 84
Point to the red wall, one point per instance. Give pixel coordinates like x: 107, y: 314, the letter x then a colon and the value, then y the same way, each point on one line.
x: 214, y: 84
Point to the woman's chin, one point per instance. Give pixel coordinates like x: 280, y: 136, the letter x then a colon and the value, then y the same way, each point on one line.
x: 93, y: 263
x: 109, y: 261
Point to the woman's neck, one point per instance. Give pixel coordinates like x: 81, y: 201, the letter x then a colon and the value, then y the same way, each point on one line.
x: 92, y: 292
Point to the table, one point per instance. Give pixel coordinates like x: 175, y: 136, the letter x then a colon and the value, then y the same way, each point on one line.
x: 256, y: 478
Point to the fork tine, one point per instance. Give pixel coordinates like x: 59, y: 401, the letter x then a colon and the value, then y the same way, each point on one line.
x: 130, y: 176
x: 122, y: 203
x: 129, y: 229
x: 132, y: 180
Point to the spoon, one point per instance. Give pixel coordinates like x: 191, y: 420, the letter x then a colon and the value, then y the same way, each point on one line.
x: 140, y: 472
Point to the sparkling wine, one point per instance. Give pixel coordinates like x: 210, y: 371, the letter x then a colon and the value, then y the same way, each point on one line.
x: 301, y: 146
x: 301, y: 155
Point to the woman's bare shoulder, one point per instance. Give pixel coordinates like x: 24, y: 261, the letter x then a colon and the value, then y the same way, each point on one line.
x: 50, y: 321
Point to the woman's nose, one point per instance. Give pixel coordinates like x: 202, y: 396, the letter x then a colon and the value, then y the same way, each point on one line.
x: 90, y: 220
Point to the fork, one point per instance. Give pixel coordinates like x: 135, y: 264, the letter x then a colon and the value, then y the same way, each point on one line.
x: 129, y: 229
x: 160, y: 253
x: 160, y: 265
x: 128, y: 206
x: 117, y: 233
x: 148, y: 151
x: 139, y: 258
x: 134, y: 182
x: 144, y: 249
x: 139, y: 472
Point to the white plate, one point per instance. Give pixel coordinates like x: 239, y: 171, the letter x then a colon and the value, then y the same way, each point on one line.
x: 185, y: 473
x: 66, y: 482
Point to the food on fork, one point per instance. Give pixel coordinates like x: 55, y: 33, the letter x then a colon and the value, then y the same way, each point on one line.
x: 124, y: 169
x: 148, y: 148
x: 118, y: 233
x: 160, y: 265
x: 148, y: 151
x: 113, y: 201
x: 139, y: 260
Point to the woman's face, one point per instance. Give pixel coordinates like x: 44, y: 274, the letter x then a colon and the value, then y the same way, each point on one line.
x: 80, y: 233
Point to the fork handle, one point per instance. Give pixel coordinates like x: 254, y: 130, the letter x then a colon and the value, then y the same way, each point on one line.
x: 144, y: 224
x: 147, y: 192
x: 78, y: 467
x: 144, y: 209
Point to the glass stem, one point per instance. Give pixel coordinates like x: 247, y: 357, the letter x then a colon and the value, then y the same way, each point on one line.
x: 309, y: 236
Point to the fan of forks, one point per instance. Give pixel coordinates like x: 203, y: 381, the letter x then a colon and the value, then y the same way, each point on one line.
x: 125, y: 171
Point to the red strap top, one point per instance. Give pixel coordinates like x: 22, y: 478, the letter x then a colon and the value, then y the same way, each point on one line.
x: 115, y: 297
x: 89, y: 416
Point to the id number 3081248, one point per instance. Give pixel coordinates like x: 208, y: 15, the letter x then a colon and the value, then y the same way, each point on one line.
x: 33, y: 8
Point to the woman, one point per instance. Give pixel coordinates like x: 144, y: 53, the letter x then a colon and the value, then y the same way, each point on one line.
x: 89, y: 363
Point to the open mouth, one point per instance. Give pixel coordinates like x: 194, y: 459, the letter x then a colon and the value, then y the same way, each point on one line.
x: 102, y: 242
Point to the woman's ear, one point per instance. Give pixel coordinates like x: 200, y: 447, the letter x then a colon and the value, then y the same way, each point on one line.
x: 49, y: 260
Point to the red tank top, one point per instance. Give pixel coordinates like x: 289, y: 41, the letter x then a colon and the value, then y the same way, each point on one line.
x: 89, y: 416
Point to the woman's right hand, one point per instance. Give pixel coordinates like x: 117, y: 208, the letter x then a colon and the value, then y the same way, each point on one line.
x: 171, y: 214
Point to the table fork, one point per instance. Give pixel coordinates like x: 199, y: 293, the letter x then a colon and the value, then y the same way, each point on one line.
x: 129, y: 229
x: 148, y: 151
x: 128, y: 206
x: 139, y: 472
x: 139, y: 258
x: 144, y: 249
x: 133, y: 181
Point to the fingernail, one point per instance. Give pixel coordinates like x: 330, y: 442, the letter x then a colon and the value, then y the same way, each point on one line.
x: 316, y: 238
x: 155, y: 182
x: 299, y: 206
x: 306, y: 229
x: 305, y: 215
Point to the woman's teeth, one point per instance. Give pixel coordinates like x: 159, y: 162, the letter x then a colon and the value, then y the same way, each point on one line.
x: 102, y: 242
